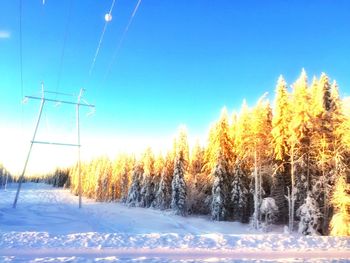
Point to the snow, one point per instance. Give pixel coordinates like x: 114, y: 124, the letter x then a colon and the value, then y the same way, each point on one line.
x: 47, y: 226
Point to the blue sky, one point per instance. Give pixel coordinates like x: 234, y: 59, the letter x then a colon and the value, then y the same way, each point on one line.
x: 180, y: 61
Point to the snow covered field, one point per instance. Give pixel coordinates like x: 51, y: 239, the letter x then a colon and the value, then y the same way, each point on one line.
x: 47, y: 226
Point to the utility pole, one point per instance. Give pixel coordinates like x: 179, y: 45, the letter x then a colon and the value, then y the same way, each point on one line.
x: 78, y: 136
x: 31, y: 145
x: 43, y: 99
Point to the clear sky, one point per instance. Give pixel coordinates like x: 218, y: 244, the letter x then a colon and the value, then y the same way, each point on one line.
x: 180, y: 62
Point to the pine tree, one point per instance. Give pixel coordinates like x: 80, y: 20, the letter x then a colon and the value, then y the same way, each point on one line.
x: 340, y: 223
x: 198, y: 186
x: 310, y: 216
x: 197, y: 159
x: 159, y: 165
x: 280, y: 123
x: 178, y: 185
x: 299, y: 146
x: 127, y: 164
x: 223, y: 149
x: 239, y: 194
x: 261, y: 150
x: 326, y: 146
x: 268, y: 210
x: 163, y: 194
x: 147, y: 185
x: 134, y: 195
x: 220, y: 191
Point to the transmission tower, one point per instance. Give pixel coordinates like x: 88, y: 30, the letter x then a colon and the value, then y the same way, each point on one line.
x: 79, y: 102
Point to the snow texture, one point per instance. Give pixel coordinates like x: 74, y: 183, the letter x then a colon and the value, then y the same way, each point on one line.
x: 47, y: 226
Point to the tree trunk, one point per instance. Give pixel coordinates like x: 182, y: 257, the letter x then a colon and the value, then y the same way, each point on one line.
x: 256, y: 198
x: 292, y: 194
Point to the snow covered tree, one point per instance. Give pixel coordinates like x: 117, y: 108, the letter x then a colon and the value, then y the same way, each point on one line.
x: 223, y: 150
x: 340, y: 223
x: 178, y: 185
x: 104, y: 178
x: 197, y: 159
x: 327, y: 149
x: 280, y: 126
x: 147, y: 185
x: 128, y: 163
x: 242, y: 133
x: 158, y: 169
x: 300, y: 127
x: 163, y: 194
x: 268, y: 210
x: 198, y: 183
x: 261, y: 151
x: 239, y: 194
x: 220, y: 190
x: 134, y: 195
x: 299, y: 146
x: 310, y: 216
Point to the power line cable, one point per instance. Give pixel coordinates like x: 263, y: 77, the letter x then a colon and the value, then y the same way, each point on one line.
x: 21, y: 61
x: 101, y: 39
x: 20, y: 47
x: 64, y: 44
x: 117, y: 49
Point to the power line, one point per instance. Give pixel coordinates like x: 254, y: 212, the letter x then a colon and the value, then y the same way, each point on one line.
x: 20, y: 47
x: 21, y: 62
x: 64, y: 44
x: 101, y: 39
x: 116, y: 51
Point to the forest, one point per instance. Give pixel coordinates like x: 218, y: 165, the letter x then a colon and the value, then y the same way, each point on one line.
x: 286, y: 163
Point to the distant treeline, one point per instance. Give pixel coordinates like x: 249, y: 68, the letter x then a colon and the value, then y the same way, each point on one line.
x: 5, y: 176
x: 286, y: 164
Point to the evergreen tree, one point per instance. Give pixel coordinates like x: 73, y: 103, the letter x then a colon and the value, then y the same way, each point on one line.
x: 220, y: 191
x: 299, y: 146
x: 268, y: 210
x: 178, y: 185
x: 134, y: 195
x: 147, y: 185
x: 198, y: 186
x: 326, y: 147
x: 163, y: 194
x: 280, y: 123
x: 310, y: 216
x: 240, y: 194
x: 223, y: 148
x: 261, y: 150
x: 159, y: 165
x: 340, y: 223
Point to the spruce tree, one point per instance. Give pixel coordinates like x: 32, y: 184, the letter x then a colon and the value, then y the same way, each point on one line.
x: 261, y: 152
x: 163, y: 194
x: 147, y: 184
x: 221, y: 174
x: 178, y: 185
x: 280, y: 123
x: 239, y: 194
x: 134, y: 195
x: 310, y: 216
x: 220, y: 190
x: 340, y: 223
x: 326, y: 148
x: 198, y: 186
x: 299, y: 146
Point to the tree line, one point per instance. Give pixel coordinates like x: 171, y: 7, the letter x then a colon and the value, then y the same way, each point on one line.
x: 283, y: 164
x: 5, y: 177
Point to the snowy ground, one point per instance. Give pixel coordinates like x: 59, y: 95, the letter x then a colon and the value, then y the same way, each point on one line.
x: 47, y: 226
